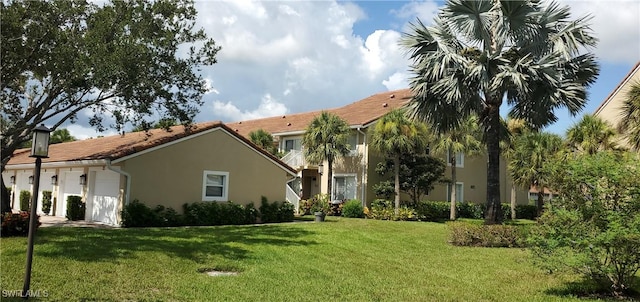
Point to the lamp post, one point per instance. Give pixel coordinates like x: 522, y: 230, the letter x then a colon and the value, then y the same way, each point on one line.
x: 39, y: 150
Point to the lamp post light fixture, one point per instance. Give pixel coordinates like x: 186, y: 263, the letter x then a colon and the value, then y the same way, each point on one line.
x: 83, y: 179
x: 39, y: 150
x: 320, y: 169
x: 12, y: 179
x: 54, y: 180
x: 31, y: 179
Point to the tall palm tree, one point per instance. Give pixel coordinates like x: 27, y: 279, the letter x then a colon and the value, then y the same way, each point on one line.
x: 481, y: 53
x: 530, y: 153
x: 464, y: 139
x: 591, y: 134
x: 395, y: 134
x: 325, y: 139
x: 515, y: 128
x: 630, y: 123
x: 263, y: 139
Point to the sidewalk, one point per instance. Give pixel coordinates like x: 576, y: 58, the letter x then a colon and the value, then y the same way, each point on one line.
x: 52, y: 221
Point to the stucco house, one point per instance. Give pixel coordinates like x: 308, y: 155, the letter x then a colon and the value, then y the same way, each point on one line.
x: 610, y: 109
x: 355, y: 175
x: 207, y: 162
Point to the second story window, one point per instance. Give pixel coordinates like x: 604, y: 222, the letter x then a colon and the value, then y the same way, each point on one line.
x: 292, y: 144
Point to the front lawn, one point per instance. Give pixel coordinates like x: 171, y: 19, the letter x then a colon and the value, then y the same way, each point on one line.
x: 339, y: 260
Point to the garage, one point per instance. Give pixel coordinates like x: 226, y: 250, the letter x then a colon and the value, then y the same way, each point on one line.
x: 69, y: 182
x: 102, y: 205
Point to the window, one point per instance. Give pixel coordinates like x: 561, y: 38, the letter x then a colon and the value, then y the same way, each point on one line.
x: 292, y: 144
x: 353, y: 144
x: 459, y: 192
x: 215, y: 186
x: 459, y: 159
x: 344, y: 187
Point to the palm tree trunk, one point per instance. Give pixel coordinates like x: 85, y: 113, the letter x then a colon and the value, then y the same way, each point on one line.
x: 513, y: 202
x: 396, y: 169
x: 540, y: 203
x: 493, y: 213
x: 452, y: 215
x: 330, y: 180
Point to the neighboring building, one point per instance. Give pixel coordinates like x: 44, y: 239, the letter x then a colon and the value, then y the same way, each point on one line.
x: 610, y: 109
x: 209, y: 162
x: 355, y: 175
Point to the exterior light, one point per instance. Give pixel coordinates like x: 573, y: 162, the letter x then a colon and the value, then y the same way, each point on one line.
x: 83, y: 179
x: 54, y: 180
x: 320, y: 169
x: 40, y: 143
x: 39, y: 150
x: 12, y: 180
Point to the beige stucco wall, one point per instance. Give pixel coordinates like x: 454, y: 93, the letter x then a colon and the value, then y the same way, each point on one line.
x: 173, y: 175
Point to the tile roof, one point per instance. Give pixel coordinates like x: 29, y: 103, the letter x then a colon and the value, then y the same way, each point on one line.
x: 118, y: 146
x: 359, y: 113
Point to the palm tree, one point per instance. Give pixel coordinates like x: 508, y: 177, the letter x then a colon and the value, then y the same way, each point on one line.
x: 325, y: 139
x: 530, y: 153
x: 591, y: 134
x: 630, y: 123
x: 515, y: 128
x: 481, y: 53
x: 464, y: 139
x: 395, y: 134
x: 263, y: 139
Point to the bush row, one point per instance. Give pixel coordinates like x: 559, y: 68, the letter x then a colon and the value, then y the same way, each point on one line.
x: 137, y: 214
x: 468, y: 234
x: 440, y: 210
x: 16, y: 224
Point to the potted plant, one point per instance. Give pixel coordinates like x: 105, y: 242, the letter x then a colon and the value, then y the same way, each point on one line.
x: 320, y: 206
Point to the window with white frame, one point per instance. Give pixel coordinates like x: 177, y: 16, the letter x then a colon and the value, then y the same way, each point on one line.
x: 459, y: 192
x: 215, y: 186
x: 353, y: 144
x: 292, y: 144
x: 459, y: 159
x: 344, y: 187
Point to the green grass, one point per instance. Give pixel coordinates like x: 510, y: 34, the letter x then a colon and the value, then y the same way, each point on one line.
x: 339, y: 260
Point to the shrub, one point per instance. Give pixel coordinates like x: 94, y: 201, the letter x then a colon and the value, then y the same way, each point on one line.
x: 305, y: 206
x: 285, y: 212
x: 593, y: 227
x: 46, y: 202
x: 25, y: 200
x: 75, y: 208
x: 433, y: 210
x: 16, y: 224
x: 276, y: 211
x: 382, y: 209
x: 526, y: 212
x: 137, y: 214
x: 353, y: 209
x: 251, y: 214
x: 467, y: 234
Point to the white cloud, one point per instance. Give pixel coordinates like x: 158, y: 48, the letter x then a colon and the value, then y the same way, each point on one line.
x: 425, y: 11
x: 208, y: 85
x: 83, y: 132
x: 268, y: 107
x: 616, y: 24
x: 396, y: 81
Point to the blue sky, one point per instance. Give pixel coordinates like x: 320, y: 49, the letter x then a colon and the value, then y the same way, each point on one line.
x: 283, y: 57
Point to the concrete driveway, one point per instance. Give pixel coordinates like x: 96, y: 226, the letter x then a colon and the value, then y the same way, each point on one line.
x: 53, y: 221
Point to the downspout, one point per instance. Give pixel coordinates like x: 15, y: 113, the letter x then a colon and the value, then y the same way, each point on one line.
x: 364, y: 166
x: 126, y: 175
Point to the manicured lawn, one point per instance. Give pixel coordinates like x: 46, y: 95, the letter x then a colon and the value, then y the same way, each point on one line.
x: 339, y: 260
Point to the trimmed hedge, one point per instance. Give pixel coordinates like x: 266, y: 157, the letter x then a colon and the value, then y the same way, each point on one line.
x: 138, y: 214
x: 75, y: 208
x: 439, y: 211
x: 468, y: 234
x: 25, y: 199
x: 353, y: 209
x: 16, y: 224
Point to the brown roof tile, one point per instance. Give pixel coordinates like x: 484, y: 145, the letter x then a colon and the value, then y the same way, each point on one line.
x: 361, y: 112
x: 118, y: 146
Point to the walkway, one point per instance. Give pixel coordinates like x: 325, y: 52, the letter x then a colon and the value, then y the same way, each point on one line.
x: 53, y: 221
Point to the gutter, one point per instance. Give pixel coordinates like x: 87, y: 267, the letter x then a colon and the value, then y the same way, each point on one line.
x: 125, y: 174
x: 365, y: 148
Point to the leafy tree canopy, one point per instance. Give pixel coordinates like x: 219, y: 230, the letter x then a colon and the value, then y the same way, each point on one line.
x: 123, y: 59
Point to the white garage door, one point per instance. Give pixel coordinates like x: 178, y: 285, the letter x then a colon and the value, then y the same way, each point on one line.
x: 106, y: 189
x: 69, y: 185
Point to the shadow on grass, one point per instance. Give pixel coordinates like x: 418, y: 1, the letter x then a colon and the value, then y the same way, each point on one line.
x: 194, y: 243
x: 588, y: 289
